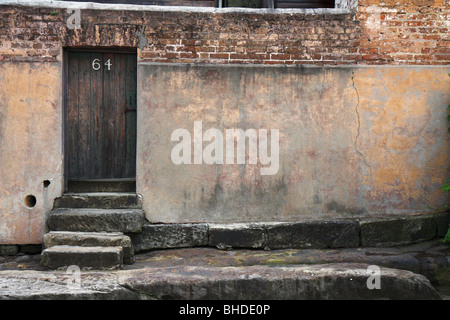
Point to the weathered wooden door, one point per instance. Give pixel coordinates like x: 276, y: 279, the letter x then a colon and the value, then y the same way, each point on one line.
x: 101, y: 115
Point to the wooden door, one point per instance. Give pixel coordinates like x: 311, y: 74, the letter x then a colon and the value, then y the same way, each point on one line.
x: 101, y: 115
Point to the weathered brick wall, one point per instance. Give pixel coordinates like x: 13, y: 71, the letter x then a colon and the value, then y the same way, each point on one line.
x: 402, y: 32
x: 405, y: 32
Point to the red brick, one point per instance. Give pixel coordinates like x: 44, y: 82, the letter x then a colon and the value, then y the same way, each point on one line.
x: 417, y: 33
x: 219, y: 56
x: 280, y: 56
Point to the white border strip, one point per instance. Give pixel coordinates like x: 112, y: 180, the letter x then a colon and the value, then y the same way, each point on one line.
x: 292, y: 66
x: 134, y: 7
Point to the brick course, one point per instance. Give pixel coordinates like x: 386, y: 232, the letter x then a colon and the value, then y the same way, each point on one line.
x: 388, y: 32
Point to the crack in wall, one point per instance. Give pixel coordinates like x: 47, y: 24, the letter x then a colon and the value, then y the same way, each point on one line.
x: 359, y: 125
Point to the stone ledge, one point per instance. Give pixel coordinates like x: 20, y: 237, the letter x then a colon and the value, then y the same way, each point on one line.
x: 96, y: 220
x: 312, y: 282
x: 375, y: 232
x: 237, y: 236
x: 398, y: 231
x: 100, y: 200
x: 345, y: 233
x: 91, y: 239
x: 83, y: 257
x: 314, y: 234
x: 165, y: 236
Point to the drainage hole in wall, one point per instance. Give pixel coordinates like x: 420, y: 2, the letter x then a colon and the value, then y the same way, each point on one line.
x: 46, y: 183
x: 30, y: 201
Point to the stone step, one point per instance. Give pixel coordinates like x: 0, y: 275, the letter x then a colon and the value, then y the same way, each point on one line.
x: 98, y: 258
x: 100, y: 200
x: 91, y: 239
x: 96, y: 220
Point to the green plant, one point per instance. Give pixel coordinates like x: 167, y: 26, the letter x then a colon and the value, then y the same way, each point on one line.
x: 54, y: 13
x: 446, y: 186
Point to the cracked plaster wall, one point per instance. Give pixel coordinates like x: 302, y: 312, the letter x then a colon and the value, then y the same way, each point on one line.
x: 354, y: 141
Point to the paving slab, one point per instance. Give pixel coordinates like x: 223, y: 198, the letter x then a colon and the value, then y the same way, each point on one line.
x: 407, y: 272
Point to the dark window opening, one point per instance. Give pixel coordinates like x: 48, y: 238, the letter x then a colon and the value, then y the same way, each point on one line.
x: 243, y: 3
x: 284, y: 4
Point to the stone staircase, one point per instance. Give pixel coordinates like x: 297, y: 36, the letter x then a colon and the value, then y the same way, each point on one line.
x: 91, y: 230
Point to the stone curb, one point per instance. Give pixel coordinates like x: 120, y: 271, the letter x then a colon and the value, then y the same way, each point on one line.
x: 312, y: 282
x: 348, y: 233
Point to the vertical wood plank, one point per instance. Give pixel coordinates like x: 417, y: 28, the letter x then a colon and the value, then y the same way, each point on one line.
x: 108, y: 119
x: 72, y: 115
x: 120, y: 71
x: 131, y: 120
x: 84, y: 114
x: 96, y: 97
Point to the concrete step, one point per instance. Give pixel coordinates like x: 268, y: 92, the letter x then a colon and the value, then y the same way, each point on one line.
x: 91, y: 239
x: 100, y: 200
x: 96, y: 220
x: 98, y: 258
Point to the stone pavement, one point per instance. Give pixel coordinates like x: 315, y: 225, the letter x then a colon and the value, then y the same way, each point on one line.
x: 419, y: 271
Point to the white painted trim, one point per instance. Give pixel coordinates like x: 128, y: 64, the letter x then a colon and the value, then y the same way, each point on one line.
x: 342, y: 7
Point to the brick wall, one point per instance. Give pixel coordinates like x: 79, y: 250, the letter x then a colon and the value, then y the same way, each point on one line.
x: 401, y: 32
x: 405, y: 32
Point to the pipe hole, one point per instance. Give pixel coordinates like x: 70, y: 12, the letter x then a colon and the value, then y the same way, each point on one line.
x: 46, y: 183
x: 30, y: 201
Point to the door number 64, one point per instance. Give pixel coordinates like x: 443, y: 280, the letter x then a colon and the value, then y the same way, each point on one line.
x: 96, y: 64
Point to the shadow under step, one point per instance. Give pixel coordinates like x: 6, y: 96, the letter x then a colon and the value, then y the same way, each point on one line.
x: 102, y: 185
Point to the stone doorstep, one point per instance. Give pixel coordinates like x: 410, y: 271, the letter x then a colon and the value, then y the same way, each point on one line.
x: 91, y: 239
x: 84, y: 257
x: 376, y: 232
x: 96, y: 220
x: 100, y: 200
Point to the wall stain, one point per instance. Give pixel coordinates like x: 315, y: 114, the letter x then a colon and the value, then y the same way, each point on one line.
x: 337, y: 207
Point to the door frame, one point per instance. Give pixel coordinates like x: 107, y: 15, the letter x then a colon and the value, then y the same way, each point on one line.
x: 65, y: 74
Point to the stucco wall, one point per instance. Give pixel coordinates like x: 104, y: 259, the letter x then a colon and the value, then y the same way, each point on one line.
x: 30, y: 148
x: 353, y: 141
